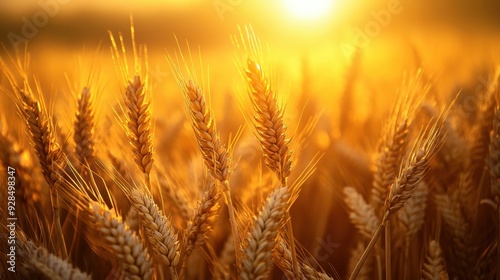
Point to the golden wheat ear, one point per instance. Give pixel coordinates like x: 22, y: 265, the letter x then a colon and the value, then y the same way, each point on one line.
x: 48, y: 152
x: 137, y: 123
x: 203, y: 220
x: 215, y: 155
x: 84, y: 127
x: 106, y: 232
x: 261, y: 239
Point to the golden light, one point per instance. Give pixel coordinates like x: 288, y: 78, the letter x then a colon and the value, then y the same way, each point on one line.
x: 308, y: 9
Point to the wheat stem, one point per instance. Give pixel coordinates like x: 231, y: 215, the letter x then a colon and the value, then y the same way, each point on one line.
x: 366, y: 253
x: 388, y: 270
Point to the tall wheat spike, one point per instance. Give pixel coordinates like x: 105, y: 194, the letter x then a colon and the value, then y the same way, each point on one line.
x: 139, y: 129
x: 271, y: 132
x: 48, y: 152
x: 215, y: 155
x: 84, y: 129
x: 411, y: 174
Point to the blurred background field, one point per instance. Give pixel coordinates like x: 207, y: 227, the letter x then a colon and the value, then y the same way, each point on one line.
x: 456, y: 43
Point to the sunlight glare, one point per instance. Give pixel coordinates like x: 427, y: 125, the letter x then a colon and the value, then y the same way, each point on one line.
x: 308, y: 9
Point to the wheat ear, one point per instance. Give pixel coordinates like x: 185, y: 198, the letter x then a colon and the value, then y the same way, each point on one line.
x: 282, y: 257
x: 261, y: 239
x: 361, y: 214
x: 459, y: 231
x: 125, y: 247
x: 410, y: 175
x: 201, y: 224
x: 159, y: 231
x: 481, y: 138
x: 271, y: 133
x: 388, y: 164
x: 215, y: 155
x: 36, y: 262
x: 433, y: 266
x: 48, y: 152
x: 41, y: 262
x: 84, y: 130
x: 139, y: 130
x: 107, y: 233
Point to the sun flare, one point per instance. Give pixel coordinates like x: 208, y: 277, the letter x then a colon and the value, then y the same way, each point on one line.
x: 308, y: 9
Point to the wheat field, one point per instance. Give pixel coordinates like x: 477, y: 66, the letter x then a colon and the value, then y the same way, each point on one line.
x: 134, y: 181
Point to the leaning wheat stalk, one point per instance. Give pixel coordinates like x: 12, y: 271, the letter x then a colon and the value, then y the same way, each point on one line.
x: 48, y: 152
x: 108, y: 234
x: 271, y: 133
x: 215, y: 155
x: 411, y: 174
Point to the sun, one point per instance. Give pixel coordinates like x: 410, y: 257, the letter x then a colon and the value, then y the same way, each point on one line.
x: 308, y: 9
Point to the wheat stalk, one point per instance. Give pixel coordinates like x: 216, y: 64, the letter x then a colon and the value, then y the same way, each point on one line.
x: 410, y: 175
x: 107, y: 233
x: 411, y: 219
x: 356, y: 254
x: 271, y: 133
x: 36, y: 261
x: 52, y: 267
x: 48, y: 152
x: 215, y: 155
